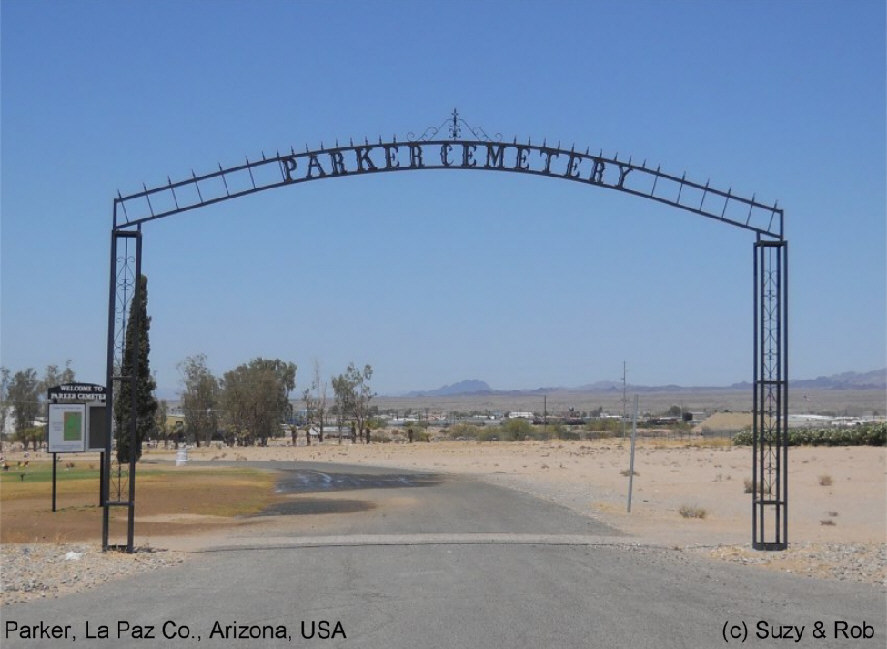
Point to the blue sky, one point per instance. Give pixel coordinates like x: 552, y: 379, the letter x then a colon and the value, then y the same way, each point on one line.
x: 439, y: 276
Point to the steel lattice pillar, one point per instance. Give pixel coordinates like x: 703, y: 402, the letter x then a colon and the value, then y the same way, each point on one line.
x: 118, y: 480
x: 770, y: 428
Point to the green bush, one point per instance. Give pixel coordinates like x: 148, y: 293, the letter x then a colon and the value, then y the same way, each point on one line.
x: 742, y: 438
x: 515, y: 430
x: 865, y: 435
x: 467, y: 431
x: 554, y: 430
x: 609, y: 425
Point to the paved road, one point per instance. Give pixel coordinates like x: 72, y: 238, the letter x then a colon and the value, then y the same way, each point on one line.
x: 428, y: 561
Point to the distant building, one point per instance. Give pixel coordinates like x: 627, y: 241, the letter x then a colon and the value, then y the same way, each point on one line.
x: 520, y: 415
x: 9, y: 422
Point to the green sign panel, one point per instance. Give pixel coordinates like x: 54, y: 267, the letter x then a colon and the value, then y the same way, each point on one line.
x: 73, y: 426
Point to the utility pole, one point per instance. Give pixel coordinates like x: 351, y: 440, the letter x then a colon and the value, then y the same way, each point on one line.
x: 634, y: 434
x: 624, y: 402
x: 545, y: 410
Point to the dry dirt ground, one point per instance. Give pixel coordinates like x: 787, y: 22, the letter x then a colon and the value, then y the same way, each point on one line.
x: 837, y: 496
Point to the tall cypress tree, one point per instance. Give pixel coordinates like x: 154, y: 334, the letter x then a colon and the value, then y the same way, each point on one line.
x: 145, y: 403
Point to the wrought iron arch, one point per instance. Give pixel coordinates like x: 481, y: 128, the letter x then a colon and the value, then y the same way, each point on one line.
x: 432, y: 152
x: 444, y: 148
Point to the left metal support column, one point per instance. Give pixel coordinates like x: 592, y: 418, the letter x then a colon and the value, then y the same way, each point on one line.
x: 118, y: 484
x: 770, y: 427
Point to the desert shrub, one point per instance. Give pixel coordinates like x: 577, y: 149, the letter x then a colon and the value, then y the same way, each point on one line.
x: 748, y: 486
x: 692, y: 511
x: 865, y: 435
x: 876, y: 435
x: 488, y: 435
x: 552, y: 431
x: 825, y: 481
x: 742, y: 438
x: 516, y: 430
x: 467, y: 431
x: 608, y: 425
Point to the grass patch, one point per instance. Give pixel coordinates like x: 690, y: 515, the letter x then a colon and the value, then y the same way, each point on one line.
x: 42, y: 472
x: 37, y: 480
x: 212, y: 492
x: 169, y: 500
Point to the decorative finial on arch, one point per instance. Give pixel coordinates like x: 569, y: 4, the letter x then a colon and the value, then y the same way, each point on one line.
x: 455, y: 131
x: 455, y: 125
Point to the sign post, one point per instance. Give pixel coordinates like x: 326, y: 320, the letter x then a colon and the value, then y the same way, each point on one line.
x: 634, y: 435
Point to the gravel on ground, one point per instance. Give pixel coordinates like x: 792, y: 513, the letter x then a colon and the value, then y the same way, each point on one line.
x: 39, y: 570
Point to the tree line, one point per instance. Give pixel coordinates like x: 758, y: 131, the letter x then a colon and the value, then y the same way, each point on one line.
x: 251, y: 403
x: 23, y: 401
x: 245, y: 406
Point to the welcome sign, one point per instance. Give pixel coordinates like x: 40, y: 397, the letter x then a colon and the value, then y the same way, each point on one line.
x: 76, y: 418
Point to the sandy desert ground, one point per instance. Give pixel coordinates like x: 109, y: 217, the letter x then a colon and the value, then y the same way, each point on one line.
x: 837, y: 496
x: 591, y: 478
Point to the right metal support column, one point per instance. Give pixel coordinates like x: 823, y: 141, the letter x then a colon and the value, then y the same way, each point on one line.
x: 770, y: 427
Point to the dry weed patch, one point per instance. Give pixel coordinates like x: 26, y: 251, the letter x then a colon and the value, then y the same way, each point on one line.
x: 692, y: 511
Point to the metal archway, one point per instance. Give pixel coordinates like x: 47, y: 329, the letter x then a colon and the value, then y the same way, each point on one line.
x: 479, y: 151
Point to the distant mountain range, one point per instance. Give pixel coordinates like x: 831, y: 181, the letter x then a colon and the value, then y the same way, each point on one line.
x: 874, y: 380
x: 469, y: 386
